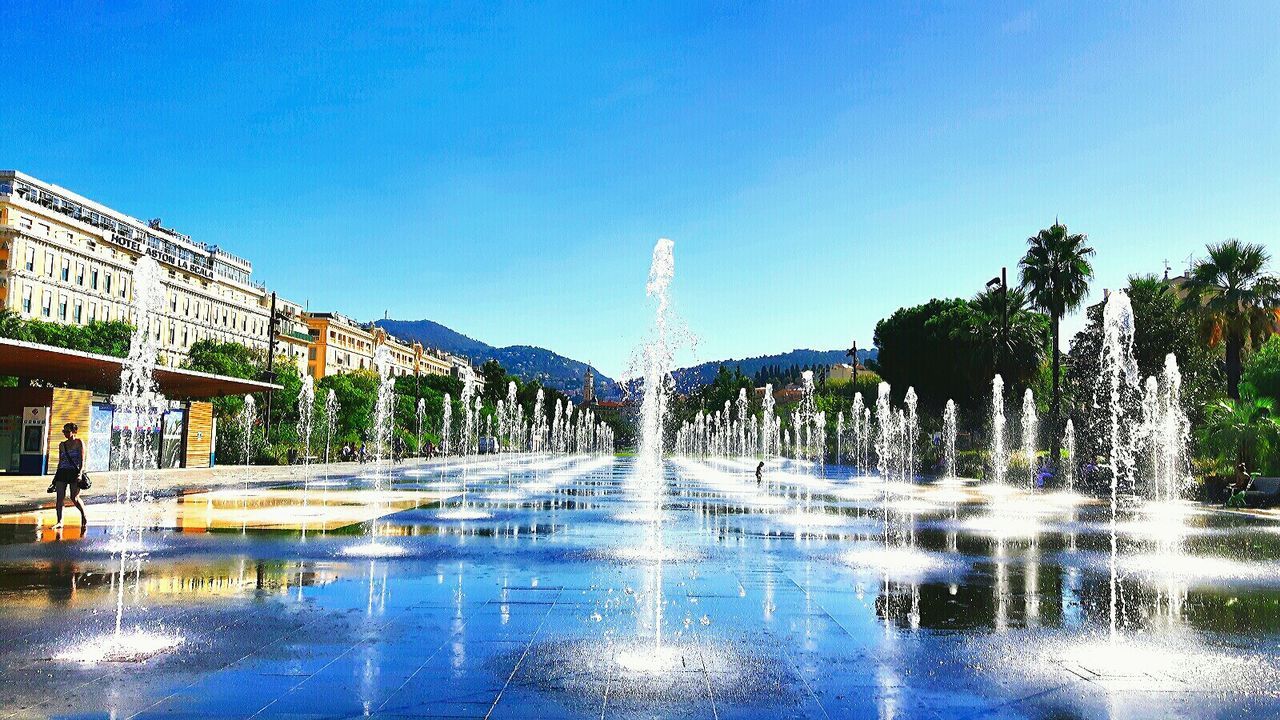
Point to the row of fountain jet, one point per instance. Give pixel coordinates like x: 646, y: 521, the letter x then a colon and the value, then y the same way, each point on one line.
x: 564, y: 430
x: 1145, y: 427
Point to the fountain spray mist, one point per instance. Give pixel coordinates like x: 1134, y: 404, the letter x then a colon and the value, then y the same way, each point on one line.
x: 658, y: 359
x: 999, y: 451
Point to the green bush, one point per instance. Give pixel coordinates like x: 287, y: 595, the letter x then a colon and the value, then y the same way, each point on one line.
x: 971, y: 464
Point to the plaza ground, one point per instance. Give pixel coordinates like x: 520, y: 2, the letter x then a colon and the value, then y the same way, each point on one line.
x: 564, y: 586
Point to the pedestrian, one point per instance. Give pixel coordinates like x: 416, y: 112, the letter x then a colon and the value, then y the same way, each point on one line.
x: 760, y: 472
x: 70, y: 474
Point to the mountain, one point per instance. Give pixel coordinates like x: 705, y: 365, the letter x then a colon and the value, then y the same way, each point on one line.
x: 691, y: 377
x: 565, y: 374
x: 524, y: 361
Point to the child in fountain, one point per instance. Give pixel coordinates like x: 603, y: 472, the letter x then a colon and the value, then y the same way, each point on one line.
x: 760, y: 472
x: 71, y: 460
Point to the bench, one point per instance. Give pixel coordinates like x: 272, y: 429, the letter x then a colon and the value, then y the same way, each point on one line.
x: 1263, y: 492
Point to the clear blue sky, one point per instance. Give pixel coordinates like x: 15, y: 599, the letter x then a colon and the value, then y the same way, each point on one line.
x: 506, y: 169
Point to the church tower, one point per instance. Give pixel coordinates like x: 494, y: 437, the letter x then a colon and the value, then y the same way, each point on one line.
x: 588, y: 387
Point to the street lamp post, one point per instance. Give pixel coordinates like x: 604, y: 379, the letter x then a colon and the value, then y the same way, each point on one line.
x: 1002, y: 283
x: 270, y: 375
x: 853, y: 353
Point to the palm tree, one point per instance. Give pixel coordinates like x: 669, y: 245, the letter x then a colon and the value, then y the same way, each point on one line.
x: 1236, y: 299
x: 1015, y: 354
x: 1244, y: 429
x: 1055, y: 274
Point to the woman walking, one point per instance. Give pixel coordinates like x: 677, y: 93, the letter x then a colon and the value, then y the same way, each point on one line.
x: 71, y: 462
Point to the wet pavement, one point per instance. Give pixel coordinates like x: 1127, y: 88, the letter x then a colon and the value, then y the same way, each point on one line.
x: 565, y: 587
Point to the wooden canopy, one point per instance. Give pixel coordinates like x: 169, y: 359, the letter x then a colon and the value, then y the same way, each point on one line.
x: 101, y: 373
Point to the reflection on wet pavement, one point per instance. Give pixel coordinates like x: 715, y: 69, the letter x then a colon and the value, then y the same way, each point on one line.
x: 813, y: 594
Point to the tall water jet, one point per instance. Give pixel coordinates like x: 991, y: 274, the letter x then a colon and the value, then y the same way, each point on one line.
x: 805, y: 417
x: 1119, y: 373
x: 884, y: 432
x: 446, y: 425
x: 1030, y: 428
x: 658, y: 360
x: 420, y: 412
x: 1069, y: 462
x: 864, y: 438
x: 469, y: 428
x: 248, y: 413
x: 910, y: 431
x: 306, y: 413
x: 999, y: 452
x: 839, y: 437
x: 383, y: 414
x: 1170, y: 436
x: 330, y: 421
x: 769, y: 423
x: 513, y: 413
x: 139, y: 408
x: 859, y: 431
x: 949, y: 439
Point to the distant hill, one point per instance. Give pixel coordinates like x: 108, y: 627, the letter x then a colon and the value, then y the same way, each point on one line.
x: 692, y: 377
x: 524, y: 361
x: 565, y: 374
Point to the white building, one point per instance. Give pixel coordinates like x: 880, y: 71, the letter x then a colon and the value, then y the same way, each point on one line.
x: 67, y: 259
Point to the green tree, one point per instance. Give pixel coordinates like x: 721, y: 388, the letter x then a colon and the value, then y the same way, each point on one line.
x: 495, y: 381
x: 224, y: 358
x: 231, y: 360
x: 1236, y: 299
x: 1262, y: 372
x: 1244, y: 431
x: 1162, y: 325
x: 1055, y: 275
x: 923, y: 346
x: 1016, y: 352
x: 356, y: 393
x: 102, y: 338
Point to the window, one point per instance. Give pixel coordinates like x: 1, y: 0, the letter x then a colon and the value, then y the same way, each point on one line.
x: 124, y: 287
x: 173, y: 302
x: 186, y: 337
x: 80, y: 274
x: 48, y: 264
x: 78, y: 313
x: 31, y: 259
x: 46, y: 303
x: 311, y: 354
x: 93, y: 312
x: 106, y: 283
x: 173, y: 334
x: 43, y: 229
x: 26, y: 299
x: 62, y: 308
x: 93, y: 278
x: 65, y: 274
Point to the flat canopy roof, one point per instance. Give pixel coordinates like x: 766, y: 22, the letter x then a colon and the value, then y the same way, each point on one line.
x: 102, y: 372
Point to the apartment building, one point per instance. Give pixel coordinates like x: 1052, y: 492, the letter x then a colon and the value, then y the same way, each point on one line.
x: 67, y: 259
x: 340, y: 344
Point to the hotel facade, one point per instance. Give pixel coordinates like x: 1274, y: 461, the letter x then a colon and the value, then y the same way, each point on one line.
x: 67, y: 259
